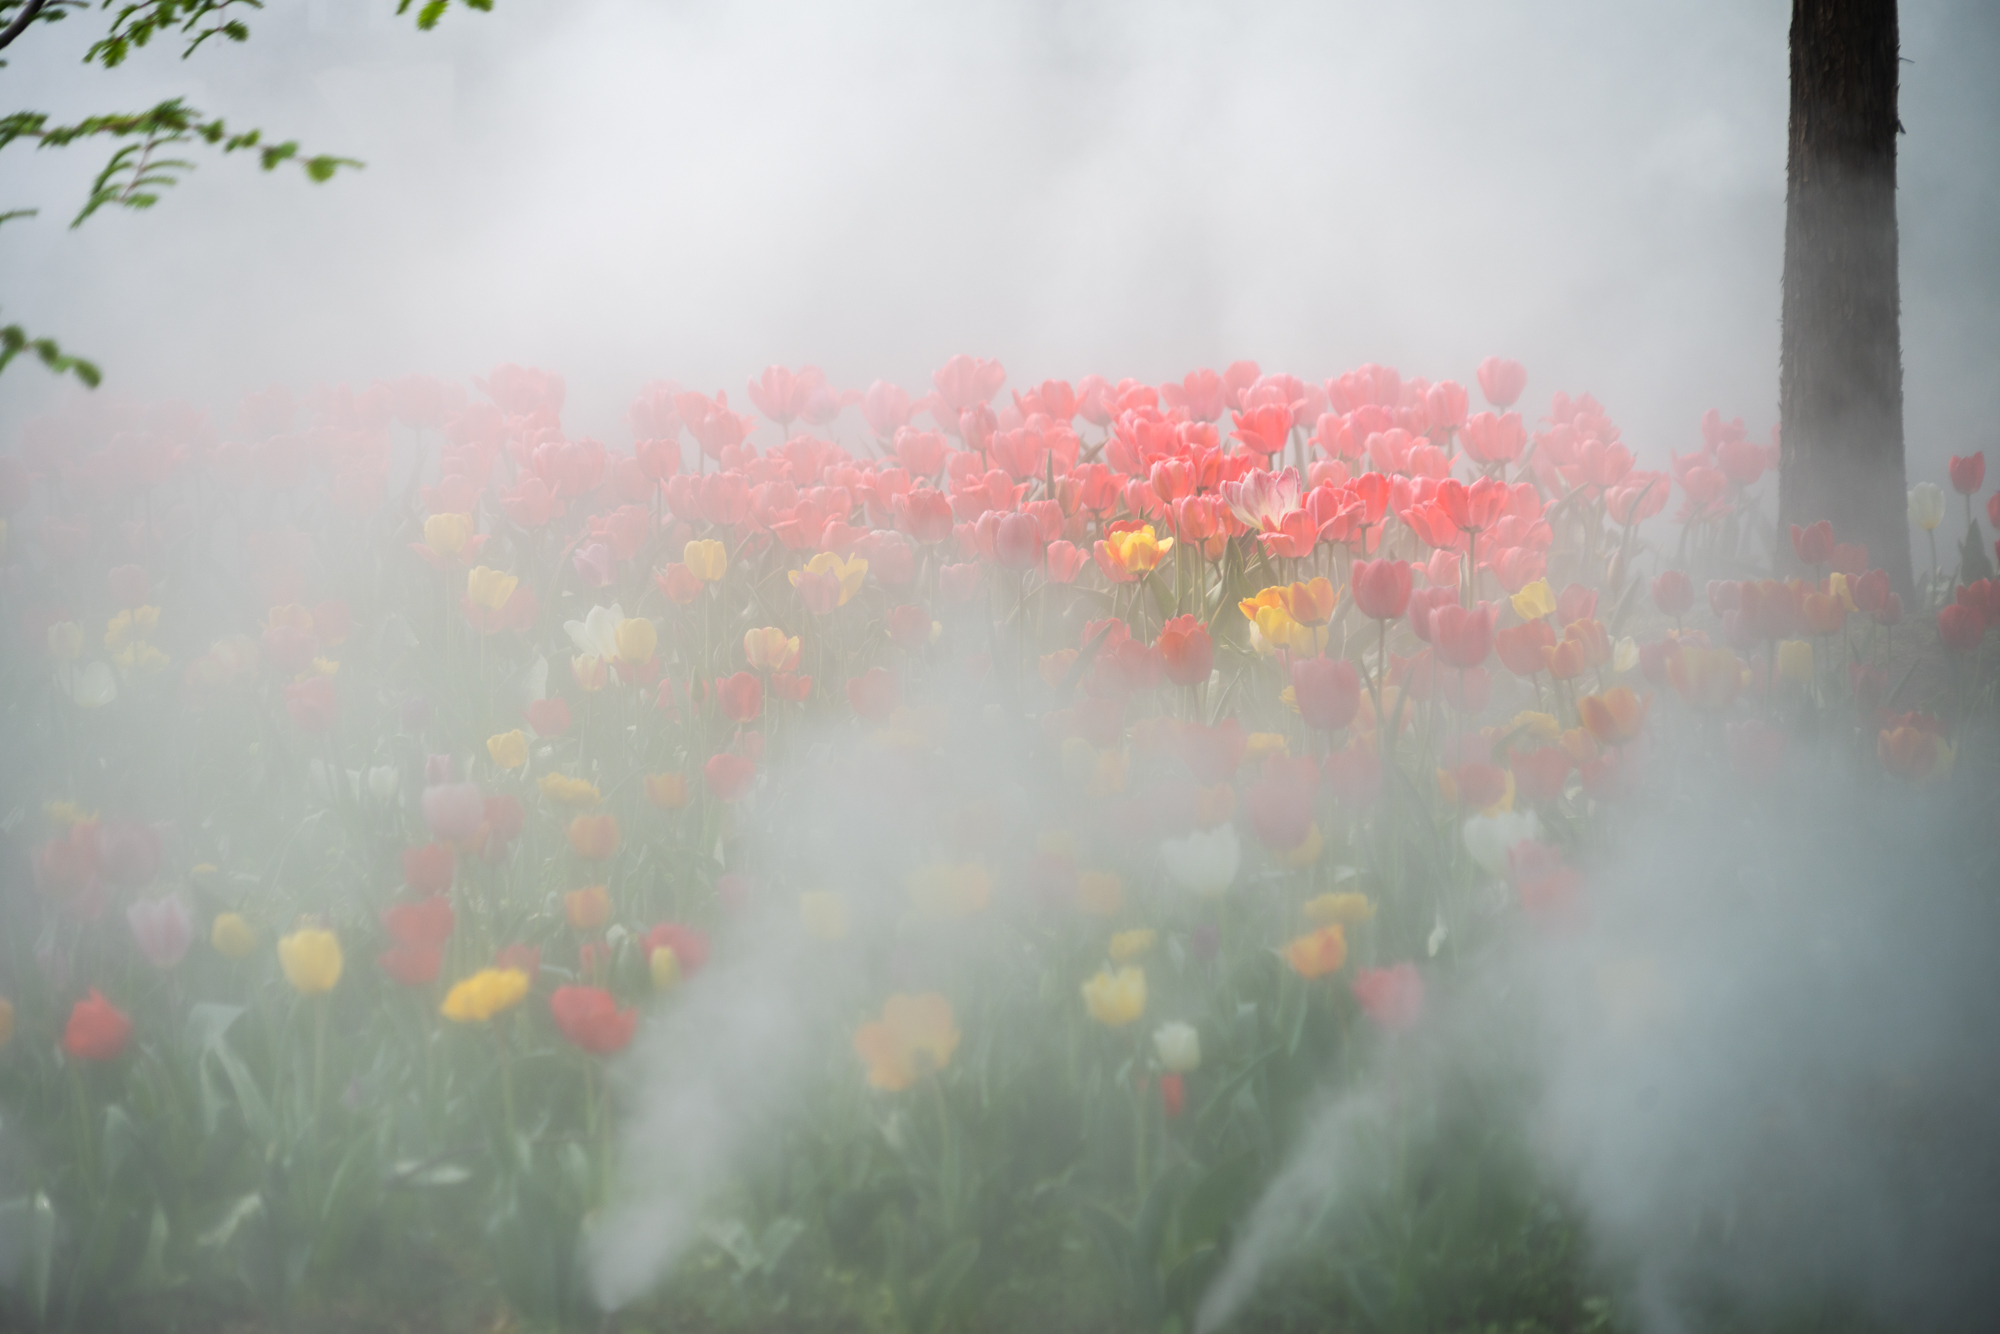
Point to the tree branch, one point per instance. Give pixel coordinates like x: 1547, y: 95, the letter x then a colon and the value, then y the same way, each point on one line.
x: 20, y: 23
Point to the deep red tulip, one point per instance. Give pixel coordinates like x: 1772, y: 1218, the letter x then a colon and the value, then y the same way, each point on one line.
x: 1813, y: 545
x: 1871, y: 591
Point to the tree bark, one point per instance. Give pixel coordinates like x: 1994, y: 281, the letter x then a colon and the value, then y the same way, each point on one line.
x: 1841, y: 365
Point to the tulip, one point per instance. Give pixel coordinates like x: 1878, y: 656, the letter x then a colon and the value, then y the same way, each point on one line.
x: 1381, y: 588
x: 1133, y: 551
x: 454, y: 811
x: 489, y: 590
x: 846, y: 574
x: 312, y: 704
x: 769, y: 649
x: 587, y: 909
x: 1915, y: 754
x: 1318, y: 952
x: 1115, y: 999
x: 669, y: 792
x: 1203, y: 862
x: 824, y: 914
x: 1521, y: 647
x: 1488, y: 837
x: 428, y: 870
x: 591, y: 1019
x: 509, y: 750
x: 1346, y: 909
x: 635, y: 639
x: 163, y: 929
x: 488, y: 992
x: 1178, y: 1045
x: 567, y: 791
x: 596, y: 635
x: 729, y: 775
x: 1794, y: 661
x: 1392, y: 997
x: 1926, y: 506
x: 1968, y: 474
x: 97, y: 1030
x: 1617, y: 715
x: 663, y: 967
x: 706, y: 559
x: 1126, y: 946
x: 1502, y: 381
x: 384, y: 781
x: 231, y: 936
x: 915, y: 1036
x: 681, y: 585
x: 594, y: 837
x: 1463, y: 637
x: 311, y: 960
x: 740, y: 697
x: 1673, y: 593
x: 1187, y: 654
x: 1327, y: 691
x: 1534, y: 601
x: 1960, y: 627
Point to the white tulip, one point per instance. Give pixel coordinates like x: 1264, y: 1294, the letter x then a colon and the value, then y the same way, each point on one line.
x: 1625, y: 656
x: 1488, y: 837
x: 1179, y: 1046
x: 94, y: 686
x: 596, y: 635
x: 1205, y: 861
x: 384, y: 780
x: 1926, y: 506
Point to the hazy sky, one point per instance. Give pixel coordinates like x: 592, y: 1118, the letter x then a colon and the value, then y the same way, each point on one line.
x: 621, y: 190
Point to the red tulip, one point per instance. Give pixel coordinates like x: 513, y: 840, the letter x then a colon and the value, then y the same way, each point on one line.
x: 97, y: 1030
x: 729, y: 775
x: 550, y: 717
x: 1186, y: 650
x: 1502, y: 381
x: 312, y: 704
x: 1463, y: 637
x: 428, y: 869
x: 1520, y: 647
x: 1673, y: 592
x: 1422, y: 603
x: 1327, y: 691
x: 1475, y: 508
x: 1173, y: 1095
x: 1968, y: 474
x: 1576, y: 603
x: 874, y: 694
x: 690, y: 945
x: 740, y: 697
x: 1017, y: 541
x: 1983, y: 596
x: 1871, y: 591
x: 1392, y: 997
x: 1960, y: 627
x: 1813, y: 544
x: 1381, y: 588
x: 909, y: 626
x: 1539, y: 774
x: 591, y: 1019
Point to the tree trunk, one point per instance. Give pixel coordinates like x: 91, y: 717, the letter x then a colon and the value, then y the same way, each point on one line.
x: 1840, y: 380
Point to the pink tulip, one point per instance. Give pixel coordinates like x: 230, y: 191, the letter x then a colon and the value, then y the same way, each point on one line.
x: 163, y: 929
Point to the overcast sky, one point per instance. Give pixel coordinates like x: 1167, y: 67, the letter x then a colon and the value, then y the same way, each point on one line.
x: 620, y: 190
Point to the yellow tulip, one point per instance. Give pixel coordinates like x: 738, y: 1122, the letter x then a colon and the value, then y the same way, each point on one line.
x: 1317, y: 953
x: 707, y: 559
x: 851, y: 571
x: 636, y: 639
x: 489, y: 588
x: 567, y: 791
x: 117, y: 630
x: 1795, y: 660
x: 1345, y: 909
x: 488, y: 992
x: 1129, y: 945
x: 665, y: 967
x: 769, y: 649
x: 824, y: 913
x: 509, y: 749
x: 311, y: 959
x: 1139, y: 550
x: 1306, y: 853
x: 232, y: 936
x: 145, y: 620
x: 1535, y: 601
x: 1260, y: 746
x: 1116, y: 999
x: 942, y: 889
x: 1099, y: 893
x: 447, y: 534
x: 1531, y: 726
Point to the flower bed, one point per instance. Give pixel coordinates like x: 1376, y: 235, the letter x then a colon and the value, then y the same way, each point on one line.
x: 897, y: 867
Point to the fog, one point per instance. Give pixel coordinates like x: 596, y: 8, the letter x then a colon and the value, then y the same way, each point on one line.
x: 620, y: 191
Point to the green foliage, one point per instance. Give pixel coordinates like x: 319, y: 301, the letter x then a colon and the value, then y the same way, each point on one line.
x: 433, y: 10
x: 14, y: 340
x: 138, y: 23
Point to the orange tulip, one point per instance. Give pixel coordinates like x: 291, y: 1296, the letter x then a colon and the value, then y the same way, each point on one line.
x: 1614, y: 717
x: 1319, y: 952
x: 595, y: 837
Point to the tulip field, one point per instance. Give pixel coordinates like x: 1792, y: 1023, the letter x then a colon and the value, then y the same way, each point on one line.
x: 1003, y: 815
